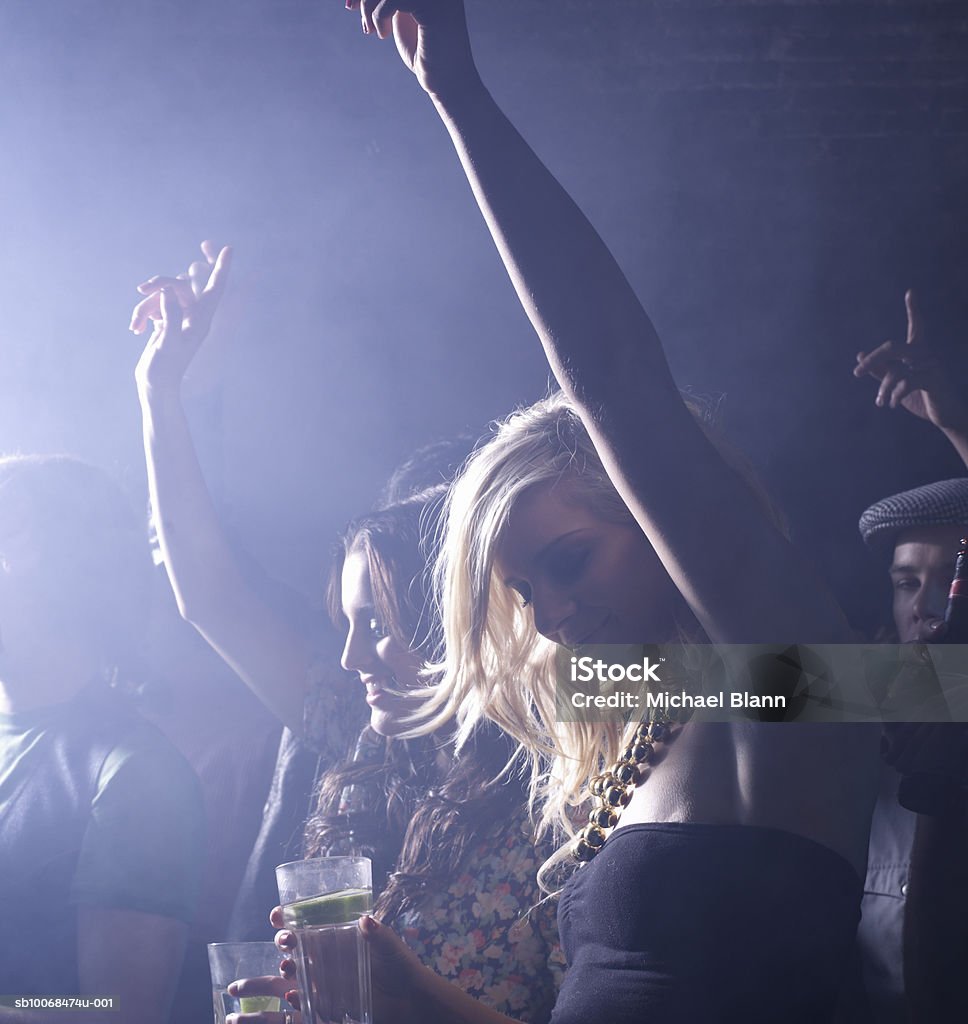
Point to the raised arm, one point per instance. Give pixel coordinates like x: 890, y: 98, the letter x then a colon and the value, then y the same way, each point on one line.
x: 272, y: 657
x: 699, y: 514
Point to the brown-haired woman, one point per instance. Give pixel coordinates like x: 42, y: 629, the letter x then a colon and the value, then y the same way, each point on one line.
x: 450, y: 830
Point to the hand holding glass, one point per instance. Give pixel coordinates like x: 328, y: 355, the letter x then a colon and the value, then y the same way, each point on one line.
x: 322, y: 902
x: 230, y: 961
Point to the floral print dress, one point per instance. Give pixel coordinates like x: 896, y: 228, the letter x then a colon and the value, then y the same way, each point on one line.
x: 491, y: 931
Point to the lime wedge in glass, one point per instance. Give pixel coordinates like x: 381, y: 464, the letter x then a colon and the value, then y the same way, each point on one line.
x: 259, y: 1004
x: 333, y: 908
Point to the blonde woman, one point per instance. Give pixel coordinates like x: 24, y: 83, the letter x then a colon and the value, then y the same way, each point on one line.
x: 730, y: 889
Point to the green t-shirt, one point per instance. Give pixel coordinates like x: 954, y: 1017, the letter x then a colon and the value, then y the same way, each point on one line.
x: 144, y: 846
x: 96, y: 807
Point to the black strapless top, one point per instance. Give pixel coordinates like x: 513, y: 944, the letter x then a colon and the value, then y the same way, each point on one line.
x: 677, y: 923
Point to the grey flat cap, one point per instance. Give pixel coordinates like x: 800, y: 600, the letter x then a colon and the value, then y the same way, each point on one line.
x: 943, y: 503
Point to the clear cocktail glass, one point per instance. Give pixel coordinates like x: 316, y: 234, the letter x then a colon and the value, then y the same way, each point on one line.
x: 322, y: 902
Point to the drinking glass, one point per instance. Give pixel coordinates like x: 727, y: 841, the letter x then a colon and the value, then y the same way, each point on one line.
x: 230, y: 961
x: 322, y: 901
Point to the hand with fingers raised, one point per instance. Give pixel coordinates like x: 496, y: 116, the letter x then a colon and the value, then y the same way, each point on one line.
x: 180, y: 310
x: 431, y: 38
x: 920, y: 375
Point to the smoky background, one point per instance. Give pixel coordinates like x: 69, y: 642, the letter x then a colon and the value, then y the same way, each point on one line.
x: 771, y: 176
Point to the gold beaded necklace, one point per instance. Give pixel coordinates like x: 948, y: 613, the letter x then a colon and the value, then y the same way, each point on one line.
x: 613, y: 789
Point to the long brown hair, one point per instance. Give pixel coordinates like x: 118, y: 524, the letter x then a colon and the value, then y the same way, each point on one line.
x: 421, y: 810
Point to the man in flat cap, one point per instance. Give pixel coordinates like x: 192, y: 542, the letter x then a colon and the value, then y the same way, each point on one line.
x: 914, y: 931
x: 919, y: 532
x: 917, y: 535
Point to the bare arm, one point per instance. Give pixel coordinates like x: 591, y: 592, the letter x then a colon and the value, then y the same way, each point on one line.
x: 133, y: 957
x: 404, y: 989
x: 409, y: 991
x: 698, y: 513
x: 270, y: 656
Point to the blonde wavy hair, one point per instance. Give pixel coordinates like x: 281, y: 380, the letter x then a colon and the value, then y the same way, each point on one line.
x: 495, y: 664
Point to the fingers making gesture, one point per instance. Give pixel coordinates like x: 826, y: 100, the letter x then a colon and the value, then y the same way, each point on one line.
x: 180, y: 310
x: 919, y: 375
